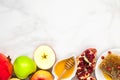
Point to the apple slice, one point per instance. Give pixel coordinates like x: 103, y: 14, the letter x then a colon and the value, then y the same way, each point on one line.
x: 44, y: 57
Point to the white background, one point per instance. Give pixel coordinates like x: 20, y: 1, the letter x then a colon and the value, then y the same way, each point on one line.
x: 69, y: 26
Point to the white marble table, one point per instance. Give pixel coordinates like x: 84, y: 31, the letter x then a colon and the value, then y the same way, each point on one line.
x: 69, y: 26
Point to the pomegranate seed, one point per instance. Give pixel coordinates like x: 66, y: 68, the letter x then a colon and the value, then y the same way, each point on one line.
x: 109, y: 52
x: 90, y: 57
x: 82, y: 73
x: 119, y: 75
x: 102, y: 57
x: 87, y: 51
x: 118, y: 67
x: 79, y: 70
x: 86, y: 73
x: 82, y: 54
x: 108, y: 68
x: 89, y: 69
x: 81, y: 59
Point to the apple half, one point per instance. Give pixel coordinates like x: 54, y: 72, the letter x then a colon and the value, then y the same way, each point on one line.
x: 44, y: 57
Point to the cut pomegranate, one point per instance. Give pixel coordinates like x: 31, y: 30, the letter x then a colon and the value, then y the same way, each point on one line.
x: 86, y: 64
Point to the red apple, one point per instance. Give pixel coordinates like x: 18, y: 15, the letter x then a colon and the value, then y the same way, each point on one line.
x: 42, y: 75
x: 6, y: 68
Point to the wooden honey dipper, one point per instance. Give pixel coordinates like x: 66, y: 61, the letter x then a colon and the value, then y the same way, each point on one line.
x: 69, y: 63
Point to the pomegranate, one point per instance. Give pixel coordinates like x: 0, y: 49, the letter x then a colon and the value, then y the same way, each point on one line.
x: 6, y: 68
x: 86, y: 64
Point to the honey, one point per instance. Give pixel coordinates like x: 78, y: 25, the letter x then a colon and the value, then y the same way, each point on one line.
x: 107, y: 77
x: 110, y: 66
x: 59, y: 68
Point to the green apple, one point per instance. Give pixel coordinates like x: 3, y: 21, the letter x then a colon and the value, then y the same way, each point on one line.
x: 24, y: 66
x: 44, y: 57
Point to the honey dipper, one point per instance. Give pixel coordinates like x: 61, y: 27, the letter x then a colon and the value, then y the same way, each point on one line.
x: 69, y: 63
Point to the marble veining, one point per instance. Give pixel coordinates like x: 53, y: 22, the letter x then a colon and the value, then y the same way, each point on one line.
x: 69, y: 26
